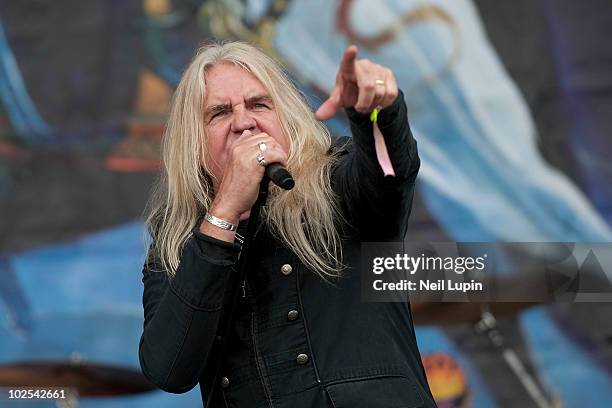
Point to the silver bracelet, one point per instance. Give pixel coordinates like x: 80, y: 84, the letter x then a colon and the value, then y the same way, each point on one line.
x: 218, y: 222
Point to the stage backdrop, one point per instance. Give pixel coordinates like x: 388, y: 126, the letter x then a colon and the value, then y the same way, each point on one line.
x: 510, y: 102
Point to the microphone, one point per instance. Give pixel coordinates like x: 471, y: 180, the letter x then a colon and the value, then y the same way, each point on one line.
x: 280, y: 176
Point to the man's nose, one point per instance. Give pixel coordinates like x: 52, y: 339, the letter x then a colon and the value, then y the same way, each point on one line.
x: 242, y: 120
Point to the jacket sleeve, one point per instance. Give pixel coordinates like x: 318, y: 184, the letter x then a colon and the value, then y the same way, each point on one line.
x: 181, y: 314
x: 376, y: 207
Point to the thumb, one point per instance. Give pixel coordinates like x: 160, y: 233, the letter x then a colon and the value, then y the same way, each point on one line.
x: 329, y: 108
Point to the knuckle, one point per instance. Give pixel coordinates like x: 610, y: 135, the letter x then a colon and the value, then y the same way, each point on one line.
x: 369, y: 86
x: 272, y: 143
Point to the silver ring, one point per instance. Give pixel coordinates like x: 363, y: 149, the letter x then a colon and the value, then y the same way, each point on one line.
x: 262, y: 147
x: 261, y: 160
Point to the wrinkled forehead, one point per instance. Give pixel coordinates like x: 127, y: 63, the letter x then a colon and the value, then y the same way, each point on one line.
x: 227, y: 82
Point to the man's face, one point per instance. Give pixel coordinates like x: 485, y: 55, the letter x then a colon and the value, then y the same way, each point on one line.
x: 236, y: 101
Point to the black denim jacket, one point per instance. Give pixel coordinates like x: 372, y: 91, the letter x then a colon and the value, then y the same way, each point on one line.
x: 297, y: 341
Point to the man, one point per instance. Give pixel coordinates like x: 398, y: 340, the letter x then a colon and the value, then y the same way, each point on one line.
x: 301, y: 337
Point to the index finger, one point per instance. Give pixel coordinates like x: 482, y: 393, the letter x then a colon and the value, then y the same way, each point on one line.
x: 347, y: 64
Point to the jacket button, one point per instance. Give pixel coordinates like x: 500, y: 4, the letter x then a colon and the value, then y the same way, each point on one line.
x: 292, y: 315
x: 286, y: 269
x: 224, y: 382
x: 302, y: 359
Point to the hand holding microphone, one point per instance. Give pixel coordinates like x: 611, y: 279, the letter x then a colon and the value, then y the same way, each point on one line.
x: 276, y: 172
x: 249, y: 158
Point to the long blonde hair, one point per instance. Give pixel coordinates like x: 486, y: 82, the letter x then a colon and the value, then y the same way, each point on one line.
x: 305, y: 219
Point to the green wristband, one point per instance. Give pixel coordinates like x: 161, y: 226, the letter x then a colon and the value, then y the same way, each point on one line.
x: 374, y: 115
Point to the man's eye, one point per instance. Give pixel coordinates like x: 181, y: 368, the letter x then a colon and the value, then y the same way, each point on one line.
x: 217, y: 114
x: 261, y: 105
